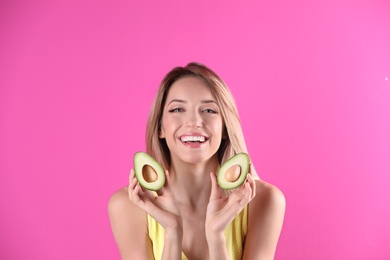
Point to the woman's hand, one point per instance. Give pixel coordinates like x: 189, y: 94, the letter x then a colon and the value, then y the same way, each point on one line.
x: 162, y: 207
x: 224, y: 206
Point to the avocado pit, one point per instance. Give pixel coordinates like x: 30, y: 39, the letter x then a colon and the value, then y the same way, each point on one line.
x: 233, y: 173
x: 149, y: 174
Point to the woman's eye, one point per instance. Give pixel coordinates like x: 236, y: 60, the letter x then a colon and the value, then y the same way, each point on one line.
x: 175, y: 110
x: 209, y: 110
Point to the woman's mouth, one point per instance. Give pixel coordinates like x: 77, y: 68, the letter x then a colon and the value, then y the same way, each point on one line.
x: 186, y: 139
x: 193, y: 141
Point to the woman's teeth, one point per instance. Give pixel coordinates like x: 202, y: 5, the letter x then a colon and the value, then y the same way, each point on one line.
x: 200, y: 139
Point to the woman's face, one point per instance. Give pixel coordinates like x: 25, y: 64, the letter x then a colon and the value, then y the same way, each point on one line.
x: 191, y: 122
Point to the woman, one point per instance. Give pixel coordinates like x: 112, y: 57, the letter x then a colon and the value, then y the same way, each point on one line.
x: 191, y: 217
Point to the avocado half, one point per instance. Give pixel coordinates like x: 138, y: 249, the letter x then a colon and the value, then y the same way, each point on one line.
x: 148, y: 172
x: 233, y: 172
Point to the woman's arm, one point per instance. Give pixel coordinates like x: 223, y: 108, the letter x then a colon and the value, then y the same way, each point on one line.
x: 129, y: 227
x: 127, y: 211
x: 265, y: 221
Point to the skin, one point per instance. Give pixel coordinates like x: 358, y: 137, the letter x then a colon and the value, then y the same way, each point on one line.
x: 191, y: 207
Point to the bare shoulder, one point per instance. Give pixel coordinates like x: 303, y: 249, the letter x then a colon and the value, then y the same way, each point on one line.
x: 121, y: 209
x: 119, y: 200
x: 265, y: 221
x: 129, y: 226
x: 268, y: 205
x: 268, y: 195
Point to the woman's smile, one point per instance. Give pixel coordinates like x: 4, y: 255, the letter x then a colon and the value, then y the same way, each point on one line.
x: 193, y: 140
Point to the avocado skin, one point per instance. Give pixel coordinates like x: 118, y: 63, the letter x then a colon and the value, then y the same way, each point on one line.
x: 140, y: 160
x: 240, y: 159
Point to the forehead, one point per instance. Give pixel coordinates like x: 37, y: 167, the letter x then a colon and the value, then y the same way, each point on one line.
x: 190, y: 86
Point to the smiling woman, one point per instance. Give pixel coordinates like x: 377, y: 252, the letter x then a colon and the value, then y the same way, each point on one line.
x: 193, y: 129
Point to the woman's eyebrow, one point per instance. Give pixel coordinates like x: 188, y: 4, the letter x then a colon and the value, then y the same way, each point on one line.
x: 209, y: 101
x: 178, y: 100
x: 206, y: 101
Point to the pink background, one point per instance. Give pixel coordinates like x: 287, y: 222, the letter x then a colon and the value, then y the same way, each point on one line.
x: 312, y: 84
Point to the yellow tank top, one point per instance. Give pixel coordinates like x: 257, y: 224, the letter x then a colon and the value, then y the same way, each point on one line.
x: 235, y: 235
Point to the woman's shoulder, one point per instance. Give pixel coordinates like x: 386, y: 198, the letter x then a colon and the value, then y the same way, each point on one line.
x: 120, y: 208
x: 268, y: 192
x: 119, y: 200
x: 119, y: 196
x: 129, y: 226
x: 269, y: 199
x: 265, y: 221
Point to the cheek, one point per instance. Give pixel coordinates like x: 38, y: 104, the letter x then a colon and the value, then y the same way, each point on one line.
x: 218, y: 126
x: 167, y: 124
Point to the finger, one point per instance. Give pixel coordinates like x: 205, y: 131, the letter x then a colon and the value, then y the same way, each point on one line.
x: 232, y: 209
x: 248, y: 196
x: 250, y: 172
x: 132, y: 183
x: 242, y: 195
x: 134, y: 194
x: 143, y: 198
x: 252, y: 185
x: 132, y: 179
x: 245, y: 198
x: 165, y: 190
x: 130, y: 176
x: 135, y: 191
x: 241, y: 189
x: 146, y: 194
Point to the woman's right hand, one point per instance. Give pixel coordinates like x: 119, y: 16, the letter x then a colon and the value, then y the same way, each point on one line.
x: 162, y: 207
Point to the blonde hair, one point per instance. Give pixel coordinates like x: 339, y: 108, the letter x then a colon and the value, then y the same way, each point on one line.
x: 233, y: 141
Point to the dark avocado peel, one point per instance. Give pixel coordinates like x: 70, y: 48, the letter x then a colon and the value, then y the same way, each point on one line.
x: 148, y: 171
x: 234, y: 171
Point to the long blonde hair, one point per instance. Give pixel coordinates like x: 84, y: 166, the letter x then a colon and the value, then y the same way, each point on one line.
x: 233, y: 141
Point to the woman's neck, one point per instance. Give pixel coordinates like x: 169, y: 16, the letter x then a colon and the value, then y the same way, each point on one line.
x: 191, y: 183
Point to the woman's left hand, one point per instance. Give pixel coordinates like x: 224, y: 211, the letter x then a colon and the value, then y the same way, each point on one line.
x: 224, y: 206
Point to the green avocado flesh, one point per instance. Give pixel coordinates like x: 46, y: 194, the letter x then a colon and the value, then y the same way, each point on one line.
x: 233, y: 172
x: 148, y: 171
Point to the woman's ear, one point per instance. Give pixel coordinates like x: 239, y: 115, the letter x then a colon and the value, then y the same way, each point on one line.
x: 161, y: 134
x: 224, y: 133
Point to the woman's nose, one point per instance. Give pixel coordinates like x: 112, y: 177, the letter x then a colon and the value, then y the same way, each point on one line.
x: 194, y: 120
